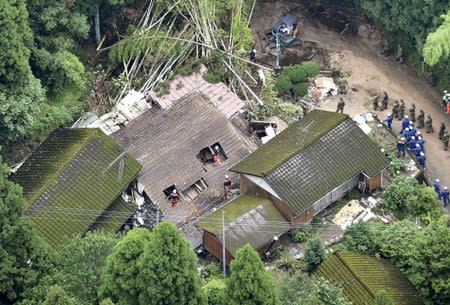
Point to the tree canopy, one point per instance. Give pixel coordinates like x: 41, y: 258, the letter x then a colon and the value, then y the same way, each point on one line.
x: 249, y: 283
x: 437, y: 45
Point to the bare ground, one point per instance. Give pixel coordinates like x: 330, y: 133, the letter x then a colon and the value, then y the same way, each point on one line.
x: 365, y: 70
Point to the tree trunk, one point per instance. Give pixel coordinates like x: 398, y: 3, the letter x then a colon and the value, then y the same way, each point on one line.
x: 97, y: 25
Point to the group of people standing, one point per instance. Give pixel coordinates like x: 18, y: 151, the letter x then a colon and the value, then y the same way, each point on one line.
x: 443, y: 195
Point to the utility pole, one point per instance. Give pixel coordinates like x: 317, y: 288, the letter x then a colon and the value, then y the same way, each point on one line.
x: 224, y: 261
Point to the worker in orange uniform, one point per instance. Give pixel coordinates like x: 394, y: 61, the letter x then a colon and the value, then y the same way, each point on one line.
x: 174, y: 198
x: 216, y: 156
x: 227, y: 187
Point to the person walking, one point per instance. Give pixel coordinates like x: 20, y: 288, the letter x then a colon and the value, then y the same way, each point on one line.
x: 340, y: 105
x: 384, y: 103
x: 395, y: 109
x: 421, y: 119
x: 437, y: 187
x: 389, y: 120
x: 429, y: 124
x: 441, y: 130
x: 445, y: 194
x: 412, y: 112
x: 405, y: 123
x: 401, y: 147
x: 401, y: 110
x: 422, y: 160
x: 445, y: 139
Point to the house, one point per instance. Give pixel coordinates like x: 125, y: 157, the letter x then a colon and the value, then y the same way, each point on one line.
x: 362, y: 277
x: 75, y: 182
x: 300, y: 172
x: 312, y: 164
x: 248, y: 219
x: 175, y: 147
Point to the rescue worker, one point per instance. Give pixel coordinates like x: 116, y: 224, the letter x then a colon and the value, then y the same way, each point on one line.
x: 384, y: 104
x: 429, y: 124
x: 389, y: 120
x: 411, y: 142
x: 422, y: 159
x: 437, y: 187
x: 445, y: 196
x: 412, y: 112
x: 216, y: 156
x: 445, y: 139
x: 421, y: 119
x: 375, y: 102
x: 253, y: 55
x: 401, y: 110
x: 174, y: 198
x: 227, y: 187
x: 405, y: 123
x: 416, y: 150
x: 340, y: 105
x: 441, y: 130
x: 444, y: 99
x: 421, y: 142
x: 406, y: 134
x: 401, y: 147
x: 395, y: 109
x: 412, y: 129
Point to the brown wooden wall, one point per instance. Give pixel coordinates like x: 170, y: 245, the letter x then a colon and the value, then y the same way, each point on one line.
x: 214, y: 246
x: 374, y: 183
x: 303, y: 218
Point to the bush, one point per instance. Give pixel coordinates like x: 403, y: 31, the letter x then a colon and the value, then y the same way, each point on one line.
x: 215, y: 292
x: 296, y: 73
x: 162, y: 89
x: 284, y: 84
x: 212, y: 78
x: 360, y: 237
x: 314, y: 253
x: 210, y: 272
x: 301, y: 89
x: 302, y: 234
x: 311, y: 68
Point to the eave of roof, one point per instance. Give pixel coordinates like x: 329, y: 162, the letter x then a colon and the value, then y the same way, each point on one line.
x: 289, y: 143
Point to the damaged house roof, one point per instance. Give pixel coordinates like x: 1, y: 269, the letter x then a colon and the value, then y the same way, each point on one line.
x: 167, y: 143
x: 71, y: 179
x: 312, y: 157
x: 251, y: 219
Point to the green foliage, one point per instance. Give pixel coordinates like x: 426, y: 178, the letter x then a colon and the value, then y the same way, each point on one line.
x: 212, y: 77
x: 241, y: 33
x: 17, y: 111
x: 296, y: 73
x: 82, y: 261
x: 405, y: 196
x: 360, y: 237
x: 119, y: 281
x: 314, y: 253
x: 311, y: 68
x: 437, y: 45
x: 107, y: 302
x: 284, y: 84
x: 300, y: 89
x: 57, y: 296
x: 215, y: 292
x: 24, y: 259
x: 429, y: 263
x: 249, y: 283
x: 211, y: 271
x: 329, y: 294
x: 168, y: 270
x: 382, y: 298
x: 162, y: 89
x: 15, y: 42
x: 303, y: 234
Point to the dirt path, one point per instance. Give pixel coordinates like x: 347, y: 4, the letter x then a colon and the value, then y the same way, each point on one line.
x: 367, y: 73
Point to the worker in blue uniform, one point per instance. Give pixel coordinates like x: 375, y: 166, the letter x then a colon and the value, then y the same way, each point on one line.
x: 389, y: 120
x: 411, y: 142
x: 405, y: 123
x: 416, y: 150
x: 445, y: 196
x: 401, y: 147
x: 437, y: 187
x: 422, y: 159
x: 421, y: 142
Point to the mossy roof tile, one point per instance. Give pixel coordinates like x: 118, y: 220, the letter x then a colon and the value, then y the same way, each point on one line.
x: 363, y: 276
x: 72, y: 177
x: 249, y: 219
x: 330, y: 149
x: 115, y: 216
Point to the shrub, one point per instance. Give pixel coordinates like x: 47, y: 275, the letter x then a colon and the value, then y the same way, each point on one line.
x: 301, y: 89
x: 284, y: 84
x: 215, y: 292
x: 302, y: 234
x: 311, y: 68
x: 296, y: 73
x: 212, y: 78
x: 314, y: 253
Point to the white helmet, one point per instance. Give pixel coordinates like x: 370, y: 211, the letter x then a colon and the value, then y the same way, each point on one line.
x: 226, y: 177
x: 174, y: 191
x: 402, y: 138
x: 420, y: 138
x: 445, y: 188
x: 407, y: 128
x: 422, y: 154
x: 437, y: 180
x: 389, y: 114
x: 445, y: 91
x: 216, y: 147
x: 413, y: 137
x: 406, y: 116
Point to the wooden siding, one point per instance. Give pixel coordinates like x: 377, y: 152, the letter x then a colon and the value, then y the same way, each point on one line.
x: 214, y: 246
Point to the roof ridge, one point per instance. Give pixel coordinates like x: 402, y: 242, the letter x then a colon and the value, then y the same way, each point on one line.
x: 74, y: 149
x: 299, y: 149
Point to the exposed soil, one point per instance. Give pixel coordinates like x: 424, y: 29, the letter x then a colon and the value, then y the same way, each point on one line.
x: 339, y: 39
